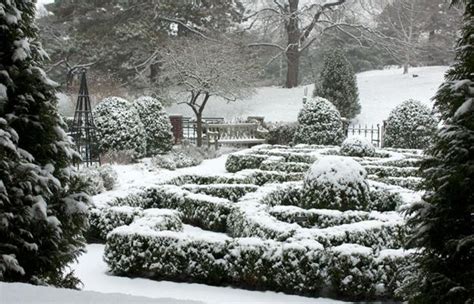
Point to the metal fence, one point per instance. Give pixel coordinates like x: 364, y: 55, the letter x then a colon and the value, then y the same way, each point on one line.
x: 373, y: 133
x: 190, y: 129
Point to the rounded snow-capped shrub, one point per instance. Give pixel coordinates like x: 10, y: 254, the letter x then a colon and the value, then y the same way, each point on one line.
x: 319, y: 123
x: 119, y: 127
x: 357, y: 146
x: 159, y: 138
x: 336, y: 182
x: 410, y: 126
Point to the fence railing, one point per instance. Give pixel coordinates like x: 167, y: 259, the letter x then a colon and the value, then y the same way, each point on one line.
x: 190, y: 129
x: 372, y: 133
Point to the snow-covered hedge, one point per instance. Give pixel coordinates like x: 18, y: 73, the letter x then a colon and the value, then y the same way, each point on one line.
x: 239, y: 161
x: 385, y: 171
x: 410, y: 125
x: 335, y: 182
x: 159, y: 138
x: 319, y: 123
x: 357, y: 146
x: 197, y: 209
x: 284, y: 166
x: 232, y: 192
x: 349, y: 271
x: 119, y: 127
x: 211, y: 179
x: 324, y: 218
x: 410, y: 182
x: 102, y: 221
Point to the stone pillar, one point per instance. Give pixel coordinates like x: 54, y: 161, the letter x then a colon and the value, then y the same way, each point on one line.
x: 177, y: 128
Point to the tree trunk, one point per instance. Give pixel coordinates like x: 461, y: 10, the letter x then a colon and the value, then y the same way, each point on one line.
x: 293, y: 58
x: 406, y: 64
x: 292, y: 51
x: 199, y: 129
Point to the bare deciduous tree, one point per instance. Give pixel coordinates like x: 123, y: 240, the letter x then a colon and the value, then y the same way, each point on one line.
x: 194, y: 69
x: 300, y: 23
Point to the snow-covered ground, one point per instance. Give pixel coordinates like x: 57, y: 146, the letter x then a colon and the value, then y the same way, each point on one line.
x: 92, y: 270
x: 380, y: 91
x: 19, y: 293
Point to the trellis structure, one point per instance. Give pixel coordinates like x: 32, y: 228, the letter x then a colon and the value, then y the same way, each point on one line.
x: 83, y: 129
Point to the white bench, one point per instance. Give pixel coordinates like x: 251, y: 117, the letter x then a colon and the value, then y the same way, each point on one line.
x: 233, y: 134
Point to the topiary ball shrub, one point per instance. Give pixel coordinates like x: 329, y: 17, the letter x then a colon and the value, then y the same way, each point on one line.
x: 159, y: 138
x: 358, y: 147
x: 336, y: 182
x: 410, y: 126
x: 319, y: 123
x: 119, y: 127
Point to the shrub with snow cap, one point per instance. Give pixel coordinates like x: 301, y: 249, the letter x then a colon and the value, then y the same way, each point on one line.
x: 119, y: 127
x: 319, y: 123
x: 410, y: 125
x: 159, y: 138
x: 335, y: 182
x: 357, y: 146
x: 109, y: 176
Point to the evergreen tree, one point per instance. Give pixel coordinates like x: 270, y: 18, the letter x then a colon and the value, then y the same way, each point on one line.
x: 42, y: 208
x: 443, y: 222
x: 337, y: 82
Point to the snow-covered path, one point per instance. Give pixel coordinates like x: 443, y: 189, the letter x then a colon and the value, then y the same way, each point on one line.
x: 92, y: 270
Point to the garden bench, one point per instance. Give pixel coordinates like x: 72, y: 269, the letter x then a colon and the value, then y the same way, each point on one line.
x: 233, y: 134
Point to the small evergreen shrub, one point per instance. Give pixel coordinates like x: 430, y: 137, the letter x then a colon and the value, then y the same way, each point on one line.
x: 180, y: 157
x: 336, y: 182
x: 98, y: 179
x: 92, y: 180
x: 281, y: 133
x: 319, y: 123
x: 337, y: 82
x: 159, y: 138
x: 410, y: 125
x: 358, y: 147
x: 119, y: 127
x: 108, y: 175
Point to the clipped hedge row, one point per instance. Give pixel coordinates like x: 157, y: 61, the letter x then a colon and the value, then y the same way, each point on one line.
x: 386, y: 171
x: 250, y: 218
x: 102, y: 221
x: 240, y: 161
x: 232, y: 192
x: 210, y: 179
x: 324, y: 218
x: 412, y: 183
x: 284, y: 166
x: 300, y: 267
x: 197, y: 209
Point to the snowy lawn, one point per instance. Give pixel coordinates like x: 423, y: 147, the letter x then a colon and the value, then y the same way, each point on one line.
x: 19, y: 293
x: 92, y: 270
x: 380, y: 91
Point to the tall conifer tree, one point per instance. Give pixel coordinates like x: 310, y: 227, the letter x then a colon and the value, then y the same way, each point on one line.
x: 338, y: 84
x: 444, y: 222
x: 42, y: 210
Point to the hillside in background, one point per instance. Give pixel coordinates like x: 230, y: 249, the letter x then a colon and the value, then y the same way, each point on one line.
x: 379, y: 91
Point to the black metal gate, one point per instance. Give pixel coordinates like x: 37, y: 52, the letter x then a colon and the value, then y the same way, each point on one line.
x: 372, y: 133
